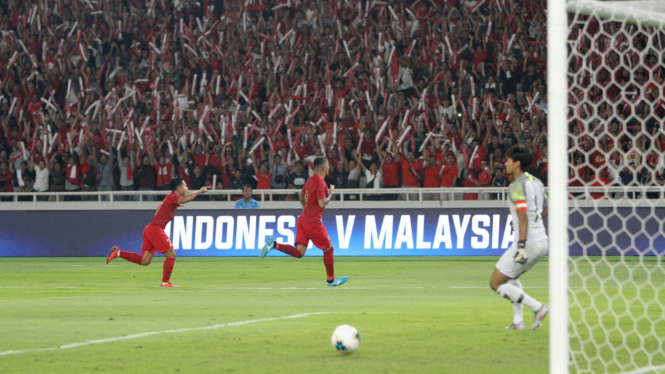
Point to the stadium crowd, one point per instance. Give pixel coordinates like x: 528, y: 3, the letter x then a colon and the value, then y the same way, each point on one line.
x: 104, y: 95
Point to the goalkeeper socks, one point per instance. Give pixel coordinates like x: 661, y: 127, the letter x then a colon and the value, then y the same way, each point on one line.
x: 168, y: 269
x: 516, y: 295
x: 328, y: 262
x: 131, y: 257
x: 288, y: 249
x: 517, y: 307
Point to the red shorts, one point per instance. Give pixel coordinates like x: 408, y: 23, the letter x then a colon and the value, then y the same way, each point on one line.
x: 155, y: 239
x: 315, y: 232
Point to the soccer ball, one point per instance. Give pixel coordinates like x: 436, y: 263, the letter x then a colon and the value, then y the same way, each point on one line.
x: 345, y: 339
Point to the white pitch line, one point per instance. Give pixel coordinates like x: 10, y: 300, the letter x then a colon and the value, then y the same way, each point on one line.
x: 648, y: 369
x: 150, y: 333
x: 482, y: 288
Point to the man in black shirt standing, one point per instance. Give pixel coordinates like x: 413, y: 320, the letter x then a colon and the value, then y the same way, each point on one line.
x: 298, y: 178
x: 498, y: 181
x: 199, y: 180
x: 341, y: 176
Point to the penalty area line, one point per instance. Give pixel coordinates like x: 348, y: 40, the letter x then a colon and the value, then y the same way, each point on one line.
x: 648, y: 369
x: 151, y: 333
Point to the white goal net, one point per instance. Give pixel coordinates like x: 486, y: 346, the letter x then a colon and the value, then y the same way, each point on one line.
x: 616, y: 155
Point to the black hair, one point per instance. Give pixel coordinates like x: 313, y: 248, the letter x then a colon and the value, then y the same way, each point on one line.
x: 522, y: 154
x: 175, y: 182
x: 246, y: 186
x: 319, y: 162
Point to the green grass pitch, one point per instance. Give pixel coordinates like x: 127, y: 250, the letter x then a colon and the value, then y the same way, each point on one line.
x: 414, y: 315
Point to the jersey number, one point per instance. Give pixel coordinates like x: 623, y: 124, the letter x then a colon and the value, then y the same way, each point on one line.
x: 306, y: 196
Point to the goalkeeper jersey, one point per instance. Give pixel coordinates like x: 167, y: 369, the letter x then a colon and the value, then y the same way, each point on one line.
x: 528, y: 194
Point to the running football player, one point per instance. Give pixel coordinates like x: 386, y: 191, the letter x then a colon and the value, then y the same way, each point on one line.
x: 154, y: 237
x: 314, y: 198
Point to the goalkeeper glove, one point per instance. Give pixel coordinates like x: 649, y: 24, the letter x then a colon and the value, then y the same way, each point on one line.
x: 520, y: 256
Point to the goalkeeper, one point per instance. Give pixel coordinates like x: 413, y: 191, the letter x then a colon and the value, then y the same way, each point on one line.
x: 529, y: 205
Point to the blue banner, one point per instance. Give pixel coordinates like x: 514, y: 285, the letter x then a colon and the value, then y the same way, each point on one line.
x: 353, y: 232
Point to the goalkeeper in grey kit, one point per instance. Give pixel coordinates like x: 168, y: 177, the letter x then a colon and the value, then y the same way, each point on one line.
x: 528, y: 207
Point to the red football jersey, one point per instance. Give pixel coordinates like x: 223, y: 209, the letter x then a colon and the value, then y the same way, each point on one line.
x: 315, y: 189
x: 166, y: 210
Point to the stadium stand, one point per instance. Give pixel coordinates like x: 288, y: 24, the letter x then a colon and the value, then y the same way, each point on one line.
x: 101, y: 96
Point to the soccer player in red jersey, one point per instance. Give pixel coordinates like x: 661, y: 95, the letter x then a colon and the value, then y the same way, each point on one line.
x: 154, y: 237
x: 314, y: 197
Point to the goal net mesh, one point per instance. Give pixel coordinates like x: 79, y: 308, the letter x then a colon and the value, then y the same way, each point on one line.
x: 616, y: 161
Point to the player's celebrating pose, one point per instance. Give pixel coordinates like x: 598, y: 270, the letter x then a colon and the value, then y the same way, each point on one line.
x: 314, y: 197
x: 529, y: 205
x: 154, y: 237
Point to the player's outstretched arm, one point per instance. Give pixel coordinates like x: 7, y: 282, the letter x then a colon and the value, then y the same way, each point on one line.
x: 324, y: 202
x: 192, y: 196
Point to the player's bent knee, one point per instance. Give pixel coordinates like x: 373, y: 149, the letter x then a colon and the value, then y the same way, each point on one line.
x: 493, y: 286
x: 495, y: 282
x: 146, y: 262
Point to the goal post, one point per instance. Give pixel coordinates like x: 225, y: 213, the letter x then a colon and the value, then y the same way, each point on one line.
x: 557, y: 176
x: 606, y: 151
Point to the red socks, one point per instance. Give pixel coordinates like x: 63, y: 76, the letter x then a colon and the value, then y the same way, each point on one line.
x: 168, y: 268
x: 131, y: 257
x: 288, y: 249
x: 328, y: 262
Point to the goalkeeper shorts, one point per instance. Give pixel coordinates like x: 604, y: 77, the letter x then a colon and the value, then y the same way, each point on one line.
x: 534, y: 251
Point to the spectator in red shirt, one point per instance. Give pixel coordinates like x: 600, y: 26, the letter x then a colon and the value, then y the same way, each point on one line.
x: 163, y: 170
x: 200, y: 156
x: 484, y: 180
x: 449, y: 174
x: 88, y: 175
x: 368, y: 149
x: 262, y: 175
x: 599, y: 182
x: 73, y: 177
x: 412, y: 169
x: 455, y: 137
x: 431, y: 170
x: 146, y: 175
x: 470, y: 181
x: 390, y: 170
x: 6, y: 177
x: 479, y: 157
